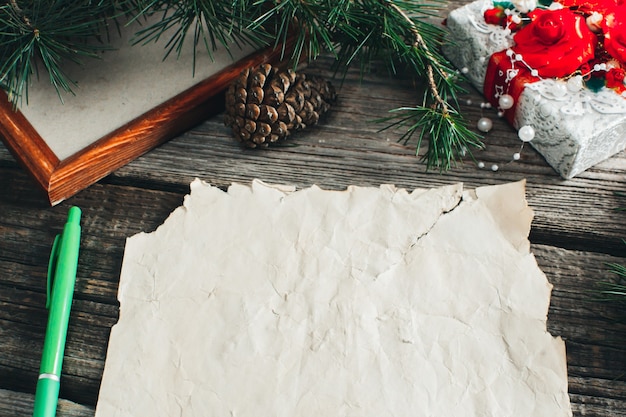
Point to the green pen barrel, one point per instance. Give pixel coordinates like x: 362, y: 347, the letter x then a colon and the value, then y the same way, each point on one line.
x: 46, y: 395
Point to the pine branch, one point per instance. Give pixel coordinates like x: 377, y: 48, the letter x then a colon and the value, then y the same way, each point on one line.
x: 47, y: 33
x: 450, y: 138
x: 310, y: 22
x: 613, y: 292
x: 399, y: 32
x: 214, y: 24
x: 357, y: 32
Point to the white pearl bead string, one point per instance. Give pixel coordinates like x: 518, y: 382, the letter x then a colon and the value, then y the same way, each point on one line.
x: 515, y: 57
x: 485, y: 125
x: 507, y: 102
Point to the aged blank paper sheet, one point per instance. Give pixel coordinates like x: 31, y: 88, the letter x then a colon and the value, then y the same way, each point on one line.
x: 368, y: 302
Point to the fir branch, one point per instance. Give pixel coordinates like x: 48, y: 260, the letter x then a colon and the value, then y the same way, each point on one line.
x: 615, y: 291
x: 612, y: 292
x: 449, y: 138
x: 420, y: 45
x: 398, y: 32
x: 394, y: 30
x: 48, y: 33
x: 214, y: 24
x: 308, y: 21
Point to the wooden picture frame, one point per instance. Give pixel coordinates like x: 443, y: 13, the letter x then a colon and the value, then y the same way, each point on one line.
x: 62, y: 177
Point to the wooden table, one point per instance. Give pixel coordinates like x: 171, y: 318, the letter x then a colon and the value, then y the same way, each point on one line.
x: 576, y: 231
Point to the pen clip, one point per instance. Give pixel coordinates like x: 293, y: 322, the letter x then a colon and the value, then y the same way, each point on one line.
x: 52, y: 265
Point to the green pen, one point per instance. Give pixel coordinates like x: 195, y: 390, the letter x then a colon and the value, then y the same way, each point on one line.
x: 60, y: 290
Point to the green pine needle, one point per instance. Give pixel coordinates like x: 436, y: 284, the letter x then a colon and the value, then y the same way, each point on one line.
x: 309, y: 22
x: 614, y: 291
x: 49, y: 34
x: 213, y: 24
x: 448, y: 137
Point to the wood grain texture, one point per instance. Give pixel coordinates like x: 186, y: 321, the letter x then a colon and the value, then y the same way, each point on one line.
x: 16, y: 404
x: 26, y: 144
x: 576, y: 231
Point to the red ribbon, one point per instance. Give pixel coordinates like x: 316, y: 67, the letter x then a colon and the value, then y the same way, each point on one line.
x: 499, y: 67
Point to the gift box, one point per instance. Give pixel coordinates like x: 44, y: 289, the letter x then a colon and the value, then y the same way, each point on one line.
x: 570, y: 92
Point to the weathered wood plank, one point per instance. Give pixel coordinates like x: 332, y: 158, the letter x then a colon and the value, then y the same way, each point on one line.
x: 17, y: 404
x: 596, y: 367
x: 576, y: 231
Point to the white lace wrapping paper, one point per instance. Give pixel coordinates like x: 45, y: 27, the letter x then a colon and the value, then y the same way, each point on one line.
x: 574, y: 131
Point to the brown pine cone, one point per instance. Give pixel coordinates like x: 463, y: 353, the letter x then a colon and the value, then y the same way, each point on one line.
x: 265, y: 105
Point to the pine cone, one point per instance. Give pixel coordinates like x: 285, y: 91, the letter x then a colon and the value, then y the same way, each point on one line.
x: 265, y: 105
